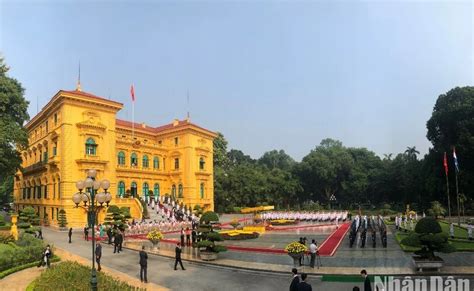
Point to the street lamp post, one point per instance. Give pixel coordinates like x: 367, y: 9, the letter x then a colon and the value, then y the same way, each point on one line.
x: 93, y: 203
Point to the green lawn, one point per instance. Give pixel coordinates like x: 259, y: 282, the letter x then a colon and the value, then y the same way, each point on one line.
x: 461, y: 245
x: 459, y: 232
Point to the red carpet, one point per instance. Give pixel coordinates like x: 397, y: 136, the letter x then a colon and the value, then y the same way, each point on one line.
x: 332, y: 242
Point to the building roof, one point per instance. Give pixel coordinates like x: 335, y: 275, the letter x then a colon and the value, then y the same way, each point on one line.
x: 85, y: 94
x: 159, y: 129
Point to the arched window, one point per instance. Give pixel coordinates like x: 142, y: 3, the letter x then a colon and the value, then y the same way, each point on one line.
x: 133, y: 189
x: 202, y: 190
x: 173, y: 191
x: 156, y: 163
x: 176, y: 163
x: 180, y: 191
x: 91, y: 147
x: 202, y: 163
x: 145, y: 161
x: 133, y: 160
x: 145, y: 189
x: 121, y: 158
x: 156, y: 190
x: 121, y: 189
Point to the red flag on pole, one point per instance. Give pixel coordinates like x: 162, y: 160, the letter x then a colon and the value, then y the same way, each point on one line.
x: 132, y: 91
x: 445, y: 163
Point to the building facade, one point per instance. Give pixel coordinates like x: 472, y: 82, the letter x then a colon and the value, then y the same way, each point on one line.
x: 77, y: 131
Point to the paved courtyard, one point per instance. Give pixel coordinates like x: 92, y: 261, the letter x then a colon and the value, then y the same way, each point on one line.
x: 195, y: 277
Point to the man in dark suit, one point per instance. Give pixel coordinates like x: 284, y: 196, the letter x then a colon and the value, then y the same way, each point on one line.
x: 86, y: 233
x: 178, y: 257
x: 98, y: 255
x: 120, y: 240
x: 70, y: 234
x: 367, y: 286
x: 143, y: 265
x: 303, y: 286
x: 295, y: 281
x: 110, y: 234
x: 117, y: 242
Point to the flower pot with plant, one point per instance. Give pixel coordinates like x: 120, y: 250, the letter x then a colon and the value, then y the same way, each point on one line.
x: 296, y: 250
x: 429, y: 237
x: 154, y: 236
x: 208, y: 249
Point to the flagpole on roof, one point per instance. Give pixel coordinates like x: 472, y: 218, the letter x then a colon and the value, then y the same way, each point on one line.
x: 445, y: 163
x: 132, y: 92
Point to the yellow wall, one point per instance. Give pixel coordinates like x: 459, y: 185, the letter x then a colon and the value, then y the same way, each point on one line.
x: 81, y: 116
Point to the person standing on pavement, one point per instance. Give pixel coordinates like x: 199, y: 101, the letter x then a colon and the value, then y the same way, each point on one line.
x: 40, y: 233
x: 303, y: 286
x: 117, y: 242
x: 98, y: 255
x: 143, y: 265
x: 188, y: 237
x: 312, y: 252
x: 70, y: 234
x: 121, y: 240
x: 367, y: 286
x: 295, y: 281
x: 178, y: 251
x: 110, y: 234
x: 193, y: 236
x: 86, y: 233
x: 182, y: 236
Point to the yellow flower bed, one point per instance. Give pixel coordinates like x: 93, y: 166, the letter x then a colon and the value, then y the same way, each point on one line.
x: 235, y: 232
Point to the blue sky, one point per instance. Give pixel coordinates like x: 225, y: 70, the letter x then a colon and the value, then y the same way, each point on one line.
x: 267, y: 74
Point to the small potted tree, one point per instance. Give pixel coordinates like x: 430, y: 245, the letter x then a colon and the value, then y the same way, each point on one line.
x: 429, y: 237
x: 208, y: 249
x: 62, y: 220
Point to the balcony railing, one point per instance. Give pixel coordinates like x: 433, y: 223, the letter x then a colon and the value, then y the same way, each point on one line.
x: 39, y: 166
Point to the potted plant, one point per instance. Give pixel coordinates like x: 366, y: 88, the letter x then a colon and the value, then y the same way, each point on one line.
x: 62, y: 219
x: 208, y: 249
x: 296, y: 250
x: 430, y: 238
x: 154, y: 236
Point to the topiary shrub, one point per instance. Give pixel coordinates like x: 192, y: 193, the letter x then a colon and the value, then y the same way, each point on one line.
x: 208, y: 237
x: 116, y: 217
x: 62, y: 220
x: 208, y: 217
x: 430, y: 237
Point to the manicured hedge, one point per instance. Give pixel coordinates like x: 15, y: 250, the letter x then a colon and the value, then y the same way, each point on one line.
x: 26, y: 250
x: 25, y: 266
x: 74, y: 276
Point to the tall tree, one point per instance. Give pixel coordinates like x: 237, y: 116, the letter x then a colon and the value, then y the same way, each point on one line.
x: 277, y: 159
x: 13, y: 114
x: 324, y: 170
x: 452, y: 125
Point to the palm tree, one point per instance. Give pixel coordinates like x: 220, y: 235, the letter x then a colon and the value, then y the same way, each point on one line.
x: 411, y: 152
x: 387, y: 156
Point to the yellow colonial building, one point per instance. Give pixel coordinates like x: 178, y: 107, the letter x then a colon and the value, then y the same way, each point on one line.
x: 77, y: 131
